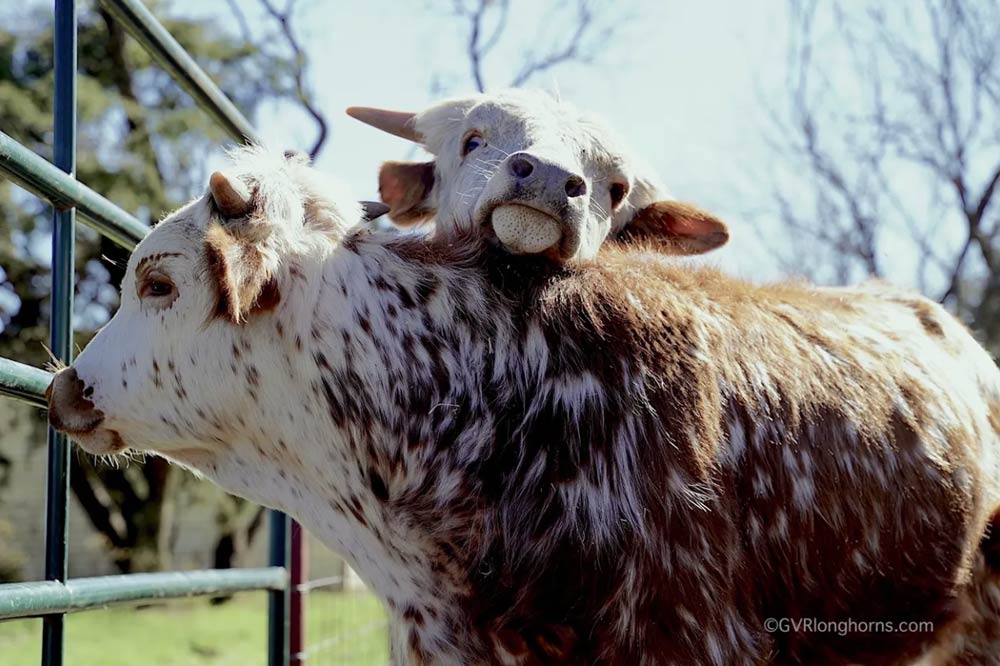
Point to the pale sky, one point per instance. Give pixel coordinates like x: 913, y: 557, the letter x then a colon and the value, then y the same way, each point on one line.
x: 681, y: 82
x: 691, y: 87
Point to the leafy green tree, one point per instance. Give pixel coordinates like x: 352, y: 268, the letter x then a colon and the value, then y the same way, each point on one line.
x: 143, y: 144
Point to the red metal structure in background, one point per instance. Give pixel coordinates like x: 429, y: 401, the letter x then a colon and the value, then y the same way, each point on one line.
x: 298, y: 567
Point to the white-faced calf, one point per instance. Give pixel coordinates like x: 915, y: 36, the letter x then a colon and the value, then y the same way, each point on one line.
x: 534, y: 174
x: 618, y: 463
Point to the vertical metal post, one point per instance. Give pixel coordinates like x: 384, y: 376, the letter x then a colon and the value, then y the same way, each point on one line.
x: 298, y: 573
x: 61, y: 329
x: 279, y: 600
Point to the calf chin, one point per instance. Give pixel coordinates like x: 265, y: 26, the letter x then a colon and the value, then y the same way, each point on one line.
x: 100, y: 442
x: 524, y: 230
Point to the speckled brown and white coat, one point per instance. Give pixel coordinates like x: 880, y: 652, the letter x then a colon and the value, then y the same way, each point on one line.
x: 619, y: 462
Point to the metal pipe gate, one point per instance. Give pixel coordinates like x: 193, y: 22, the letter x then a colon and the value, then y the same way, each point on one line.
x: 54, y: 597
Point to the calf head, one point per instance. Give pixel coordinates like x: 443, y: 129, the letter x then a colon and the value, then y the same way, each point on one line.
x: 534, y: 174
x: 188, y: 342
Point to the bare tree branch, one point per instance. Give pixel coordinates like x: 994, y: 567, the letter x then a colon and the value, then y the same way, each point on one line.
x: 301, y: 91
x: 478, y: 48
x: 582, y: 44
x: 955, y: 280
x: 987, y: 196
x: 474, y: 48
x: 901, y: 145
x: 573, y: 49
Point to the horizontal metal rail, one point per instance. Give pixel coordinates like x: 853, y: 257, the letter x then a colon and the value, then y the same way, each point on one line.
x: 23, y: 382
x: 316, y: 583
x: 47, y: 182
x: 48, y: 597
x: 164, y: 49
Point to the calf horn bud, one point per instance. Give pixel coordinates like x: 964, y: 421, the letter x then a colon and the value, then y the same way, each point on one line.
x: 372, y: 210
x: 231, y: 195
x: 398, y: 123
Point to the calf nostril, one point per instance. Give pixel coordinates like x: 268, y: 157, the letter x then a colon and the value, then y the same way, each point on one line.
x: 89, y: 391
x: 576, y: 186
x: 521, y: 167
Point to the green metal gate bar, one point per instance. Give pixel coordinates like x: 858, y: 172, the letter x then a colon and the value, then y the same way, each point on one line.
x: 164, y: 49
x: 61, y: 323
x: 23, y: 382
x: 56, y: 183
x: 52, y: 597
x: 63, y: 191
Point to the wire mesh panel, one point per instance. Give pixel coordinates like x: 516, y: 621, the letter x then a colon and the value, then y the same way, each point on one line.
x: 345, y: 623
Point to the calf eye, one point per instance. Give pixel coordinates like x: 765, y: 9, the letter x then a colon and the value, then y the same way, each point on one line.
x: 472, y: 142
x: 160, y: 288
x: 156, y: 288
x: 618, y: 192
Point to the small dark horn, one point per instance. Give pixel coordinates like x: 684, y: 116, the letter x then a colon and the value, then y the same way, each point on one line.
x: 297, y: 156
x: 399, y: 123
x: 373, y: 209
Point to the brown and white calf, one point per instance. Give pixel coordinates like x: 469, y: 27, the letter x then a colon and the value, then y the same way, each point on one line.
x: 619, y: 462
x: 536, y: 175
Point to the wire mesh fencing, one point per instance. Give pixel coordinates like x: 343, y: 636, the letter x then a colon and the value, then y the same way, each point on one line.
x: 345, y: 624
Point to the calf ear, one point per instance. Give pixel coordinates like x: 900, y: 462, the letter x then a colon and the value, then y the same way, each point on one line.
x: 676, y: 228
x: 407, y: 187
x: 244, y: 283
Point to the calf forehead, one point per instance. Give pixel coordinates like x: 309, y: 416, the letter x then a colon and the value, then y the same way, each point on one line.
x: 178, y: 233
x: 541, y: 121
x: 516, y: 120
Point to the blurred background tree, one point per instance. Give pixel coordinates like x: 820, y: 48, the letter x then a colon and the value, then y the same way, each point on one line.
x: 888, y: 146
x: 143, y: 144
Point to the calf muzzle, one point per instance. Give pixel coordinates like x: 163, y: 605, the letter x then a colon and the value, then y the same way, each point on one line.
x: 70, y: 409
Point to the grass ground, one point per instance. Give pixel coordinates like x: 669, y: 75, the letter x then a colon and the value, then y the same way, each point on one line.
x: 350, y: 626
